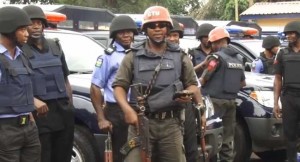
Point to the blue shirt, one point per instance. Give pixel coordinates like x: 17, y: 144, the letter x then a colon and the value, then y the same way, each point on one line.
x: 4, y: 51
x: 106, y: 69
x: 257, y: 66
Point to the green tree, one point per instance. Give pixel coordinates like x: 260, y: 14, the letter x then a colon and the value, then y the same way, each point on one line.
x: 219, y: 10
x: 229, y: 12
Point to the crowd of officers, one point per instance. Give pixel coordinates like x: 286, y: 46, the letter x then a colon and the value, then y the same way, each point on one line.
x: 36, y: 112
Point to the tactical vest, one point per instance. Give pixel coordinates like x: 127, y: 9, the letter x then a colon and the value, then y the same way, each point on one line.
x: 267, y: 65
x: 166, y: 83
x: 16, y: 95
x: 198, y: 56
x: 226, y: 81
x: 48, y: 79
x: 291, y: 73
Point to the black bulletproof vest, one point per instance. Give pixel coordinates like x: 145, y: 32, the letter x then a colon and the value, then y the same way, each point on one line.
x: 291, y: 73
x: 15, y: 86
x: 48, y: 79
x: 226, y: 81
x: 144, y: 67
x: 198, y: 56
x: 268, y: 65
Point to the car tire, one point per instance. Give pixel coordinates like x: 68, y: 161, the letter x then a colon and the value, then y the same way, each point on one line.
x: 242, y: 143
x: 272, y: 156
x: 84, y: 149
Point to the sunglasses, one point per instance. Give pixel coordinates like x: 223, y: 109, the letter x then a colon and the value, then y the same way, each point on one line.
x: 155, y: 25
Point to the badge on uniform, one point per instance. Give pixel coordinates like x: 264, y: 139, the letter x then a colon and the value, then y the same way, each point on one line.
x: 99, y: 62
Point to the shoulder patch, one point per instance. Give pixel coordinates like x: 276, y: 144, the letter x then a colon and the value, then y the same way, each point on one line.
x: 99, y: 62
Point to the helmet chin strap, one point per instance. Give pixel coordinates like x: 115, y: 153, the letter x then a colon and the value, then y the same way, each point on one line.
x: 157, y: 43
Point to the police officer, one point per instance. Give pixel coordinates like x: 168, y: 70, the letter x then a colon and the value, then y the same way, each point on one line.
x: 174, y: 72
x: 287, y: 87
x: 190, y: 136
x: 221, y: 80
x: 51, y: 85
x: 19, y: 135
x: 176, y: 33
x: 199, y: 53
x: 264, y: 63
x: 122, y: 31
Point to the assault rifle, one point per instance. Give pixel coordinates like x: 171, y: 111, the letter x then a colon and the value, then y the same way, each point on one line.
x: 143, y: 126
x: 199, y: 112
x: 108, y: 157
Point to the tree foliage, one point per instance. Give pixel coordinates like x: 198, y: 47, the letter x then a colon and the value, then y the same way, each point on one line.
x: 219, y: 9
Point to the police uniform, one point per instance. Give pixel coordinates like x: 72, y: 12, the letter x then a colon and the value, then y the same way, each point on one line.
x: 164, y: 126
x: 224, y: 75
x: 287, y: 65
x: 103, y: 76
x: 263, y: 65
x: 56, y: 129
x: 19, y: 136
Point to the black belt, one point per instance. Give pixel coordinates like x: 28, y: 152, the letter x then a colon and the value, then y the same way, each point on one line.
x: 21, y: 120
x: 163, y: 115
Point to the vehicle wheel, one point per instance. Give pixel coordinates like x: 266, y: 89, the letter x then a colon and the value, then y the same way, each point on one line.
x: 242, y: 143
x: 272, y: 156
x: 83, y: 146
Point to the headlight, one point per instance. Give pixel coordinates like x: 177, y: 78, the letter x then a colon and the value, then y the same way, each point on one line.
x: 265, y: 98
x: 210, y: 111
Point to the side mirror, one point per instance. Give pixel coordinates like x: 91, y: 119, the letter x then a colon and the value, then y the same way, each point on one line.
x: 248, y: 66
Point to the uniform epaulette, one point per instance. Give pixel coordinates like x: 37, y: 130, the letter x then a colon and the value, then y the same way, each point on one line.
x: 109, y: 50
x: 214, y: 56
x: 185, y: 51
x: 127, y: 51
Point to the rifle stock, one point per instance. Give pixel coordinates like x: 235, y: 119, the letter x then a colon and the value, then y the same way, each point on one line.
x: 108, y: 154
x: 200, y: 131
x: 143, y: 133
x: 143, y: 125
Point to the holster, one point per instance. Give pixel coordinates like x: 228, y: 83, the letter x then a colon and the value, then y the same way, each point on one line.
x: 129, y: 145
x: 163, y: 100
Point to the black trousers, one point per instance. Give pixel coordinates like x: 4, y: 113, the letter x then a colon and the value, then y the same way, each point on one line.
x: 115, y: 115
x: 19, y: 143
x: 290, y: 119
x: 190, y: 138
x: 57, y: 131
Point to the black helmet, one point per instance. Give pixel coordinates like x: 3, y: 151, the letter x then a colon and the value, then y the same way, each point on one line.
x: 270, y: 41
x: 122, y: 22
x: 11, y: 18
x: 293, y: 26
x: 204, y: 30
x: 177, y: 28
x: 35, y: 12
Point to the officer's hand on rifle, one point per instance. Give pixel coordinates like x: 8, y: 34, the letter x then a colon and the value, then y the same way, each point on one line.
x: 276, y: 111
x: 203, y: 123
x: 105, y: 125
x: 41, y: 107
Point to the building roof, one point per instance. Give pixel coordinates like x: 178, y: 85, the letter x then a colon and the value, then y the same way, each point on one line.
x: 270, y: 8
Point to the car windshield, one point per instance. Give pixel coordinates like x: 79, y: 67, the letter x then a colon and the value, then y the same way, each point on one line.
x: 80, y: 51
x: 253, y: 46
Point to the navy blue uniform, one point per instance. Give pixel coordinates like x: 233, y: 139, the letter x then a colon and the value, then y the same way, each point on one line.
x: 19, y: 137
